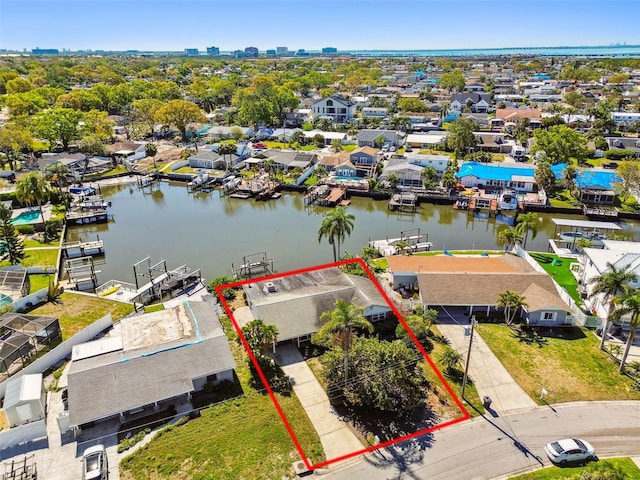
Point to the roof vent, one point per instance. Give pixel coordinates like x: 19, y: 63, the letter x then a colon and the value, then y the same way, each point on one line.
x: 271, y: 287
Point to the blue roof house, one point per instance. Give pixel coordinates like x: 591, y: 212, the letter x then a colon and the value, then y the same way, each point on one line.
x: 520, y: 178
x: 597, y: 186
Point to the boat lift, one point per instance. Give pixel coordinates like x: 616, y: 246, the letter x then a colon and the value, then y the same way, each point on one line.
x: 253, y: 265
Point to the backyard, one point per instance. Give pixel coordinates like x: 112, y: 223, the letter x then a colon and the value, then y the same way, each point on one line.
x: 560, y: 270
x: 242, y: 438
x: 570, y: 366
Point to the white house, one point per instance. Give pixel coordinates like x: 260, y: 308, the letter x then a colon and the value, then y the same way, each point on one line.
x: 439, y: 162
x: 339, y: 109
x: 625, y: 117
x: 374, y: 112
x: 128, y: 151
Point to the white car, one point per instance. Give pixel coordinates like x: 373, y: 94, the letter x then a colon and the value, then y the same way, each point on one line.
x: 94, y: 463
x: 570, y: 450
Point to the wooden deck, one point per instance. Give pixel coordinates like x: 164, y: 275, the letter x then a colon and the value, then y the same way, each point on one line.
x: 335, y: 196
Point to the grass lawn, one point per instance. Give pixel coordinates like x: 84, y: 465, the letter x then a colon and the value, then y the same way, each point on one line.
x: 38, y: 282
x: 563, y: 198
x: 243, y: 438
x: 77, y: 311
x: 560, y: 272
x: 625, y: 465
x: 571, y: 368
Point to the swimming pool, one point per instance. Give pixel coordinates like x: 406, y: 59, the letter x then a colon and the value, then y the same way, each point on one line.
x: 27, y: 217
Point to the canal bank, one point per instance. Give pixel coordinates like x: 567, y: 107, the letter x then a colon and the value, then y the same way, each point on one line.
x: 206, y: 231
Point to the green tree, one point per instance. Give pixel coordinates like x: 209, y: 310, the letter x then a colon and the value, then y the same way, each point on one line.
x: 180, y: 113
x: 452, y: 81
x: 14, y: 139
x: 54, y: 291
x: 32, y: 189
x: 227, y: 293
x: 409, y: 104
x: 508, y: 237
x: 58, y: 125
x: 145, y: 111
x: 336, y: 145
x: 18, y: 85
x: 260, y: 335
x: 335, y: 227
x: 545, y: 177
x: 460, y: 137
x: 527, y: 222
x: 450, y: 359
x: 628, y: 303
x: 560, y: 144
x: 57, y: 173
x: 511, y: 302
x: 342, y: 322
x: 226, y: 149
x: 430, y: 173
x: 383, y: 376
x: 449, y: 180
x: 151, y: 150
x: 609, y: 284
x: 628, y: 182
x: 11, y: 246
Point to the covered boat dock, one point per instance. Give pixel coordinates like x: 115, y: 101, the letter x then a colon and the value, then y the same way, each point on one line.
x: 567, y: 231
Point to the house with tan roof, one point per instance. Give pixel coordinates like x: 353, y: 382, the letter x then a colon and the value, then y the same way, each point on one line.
x: 514, y: 115
x: 473, y: 284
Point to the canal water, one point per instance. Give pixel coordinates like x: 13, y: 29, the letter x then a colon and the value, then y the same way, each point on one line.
x: 210, y: 232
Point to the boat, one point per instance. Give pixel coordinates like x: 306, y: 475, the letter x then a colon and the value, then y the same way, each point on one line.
x: 508, y: 200
x: 594, y: 237
x: 80, y: 190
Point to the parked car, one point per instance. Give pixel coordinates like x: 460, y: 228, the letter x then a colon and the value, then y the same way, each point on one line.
x: 612, y: 165
x: 95, y: 465
x: 570, y: 450
x: 408, y: 148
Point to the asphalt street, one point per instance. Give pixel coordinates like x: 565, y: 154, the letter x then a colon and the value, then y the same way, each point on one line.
x: 495, y: 446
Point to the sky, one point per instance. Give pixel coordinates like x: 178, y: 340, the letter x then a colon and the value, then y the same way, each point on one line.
x: 313, y: 24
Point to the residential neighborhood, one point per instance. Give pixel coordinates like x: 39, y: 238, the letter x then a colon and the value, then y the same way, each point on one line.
x: 483, y: 218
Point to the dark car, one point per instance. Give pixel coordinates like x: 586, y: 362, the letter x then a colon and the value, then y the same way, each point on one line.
x: 612, y: 165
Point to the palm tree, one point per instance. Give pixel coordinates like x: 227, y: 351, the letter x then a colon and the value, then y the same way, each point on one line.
x: 527, y: 222
x: 509, y: 237
x: 151, y: 150
x: 511, y: 302
x: 336, y: 225
x: 259, y: 335
x: 225, y: 149
x: 628, y: 303
x: 450, y: 359
x: 57, y: 172
x: 33, y: 189
x: 609, y: 284
x: 342, y: 321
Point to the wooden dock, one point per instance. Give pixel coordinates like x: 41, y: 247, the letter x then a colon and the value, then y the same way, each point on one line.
x: 403, y: 201
x: 336, y: 195
x: 148, y: 179
x: 316, y: 192
x: 600, y: 212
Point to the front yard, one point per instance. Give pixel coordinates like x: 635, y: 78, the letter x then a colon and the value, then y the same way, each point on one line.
x: 570, y: 367
x: 624, y: 465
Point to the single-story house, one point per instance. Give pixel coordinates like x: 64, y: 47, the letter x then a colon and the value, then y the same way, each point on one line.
x: 329, y: 137
x: 596, y: 185
x: 408, y: 174
x: 427, y: 140
x: 129, y: 151
x: 439, y: 162
x: 367, y: 137
x: 210, y: 159
x: 157, y: 359
x: 374, y: 112
x: 624, y: 143
x: 492, y: 142
x: 287, y: 160
x: 25, y: 399
x: 474, y: 284
x: 476, y: 174
x: 333, y: 161
x: 514, y: 115
x: 294, y: 303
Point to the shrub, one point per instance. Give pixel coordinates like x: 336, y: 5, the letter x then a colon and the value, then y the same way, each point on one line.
x: 25, y: 229
x: 619, y: 154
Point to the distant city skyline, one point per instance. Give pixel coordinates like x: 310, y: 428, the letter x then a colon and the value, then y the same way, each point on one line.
x: 164, y: 25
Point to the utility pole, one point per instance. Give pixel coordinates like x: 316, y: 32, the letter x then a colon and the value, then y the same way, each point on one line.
x: 466, y: 367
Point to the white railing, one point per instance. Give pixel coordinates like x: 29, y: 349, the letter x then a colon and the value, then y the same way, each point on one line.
x: 130, y: 287
x: 23, y: 434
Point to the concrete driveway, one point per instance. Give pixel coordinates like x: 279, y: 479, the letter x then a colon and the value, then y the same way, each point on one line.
x: 335, y: 436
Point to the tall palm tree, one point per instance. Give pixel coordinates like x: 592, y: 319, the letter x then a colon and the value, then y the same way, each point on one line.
x: 57, y: 172
x: 151, y: 150
x: 511, y: 302
x: 336, y: 225
x: 613, y: 281
x: 259, y: 335
x: 33, y: 189
x: 342, y: 321
x: 628, y: 303
x: 509, y: 237
x: 527, y: 222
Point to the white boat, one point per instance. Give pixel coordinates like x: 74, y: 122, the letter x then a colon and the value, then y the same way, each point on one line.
x: 594, y: 237
x: 508, y: 200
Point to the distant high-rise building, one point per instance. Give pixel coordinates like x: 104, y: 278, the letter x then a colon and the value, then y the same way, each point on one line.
x: 271, y: 53
x: 251, y: 52
x: 191, y: 51
x: 329, y: 50
x: 213, y: 51
x: 45, y: 51
x: 302, y: 53
x: 238, y: 54
x: 282, y: 50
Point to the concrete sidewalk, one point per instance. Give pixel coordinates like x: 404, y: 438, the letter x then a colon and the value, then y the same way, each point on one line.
x: 335, y: 436
x: 488, y: 374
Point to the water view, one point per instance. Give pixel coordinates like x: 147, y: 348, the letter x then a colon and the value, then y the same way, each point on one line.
x: 209, y: 232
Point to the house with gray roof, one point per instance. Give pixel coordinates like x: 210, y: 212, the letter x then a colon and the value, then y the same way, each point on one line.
x: 336, y: 107
x: 624, y: 143
x: 294, y: 303
x: 155, y: 359
x: 477, y: 102
x: 367, y: 137
x: 408, y: 174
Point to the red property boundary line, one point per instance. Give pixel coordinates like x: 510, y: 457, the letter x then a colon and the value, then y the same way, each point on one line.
x: 310, y: 466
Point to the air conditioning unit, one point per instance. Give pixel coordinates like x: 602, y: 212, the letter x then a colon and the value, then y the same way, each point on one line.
x: 271, y: 287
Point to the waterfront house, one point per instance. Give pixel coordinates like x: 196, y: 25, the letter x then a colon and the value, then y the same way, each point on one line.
x: 336, y: 107
x: 368, y: 137
x: 475, y: 174
x: 596, y: 185
x: 471, y: 285
x: 374, y: 112
x: 365, y: 160
x: 129, y: 151
x: 439, y: 162
x: 156, y: 360
x: 294, y: 303
x: 209, y: 159
x: 286, y: 159
x: 408, y: 174
x: 492, y: 142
